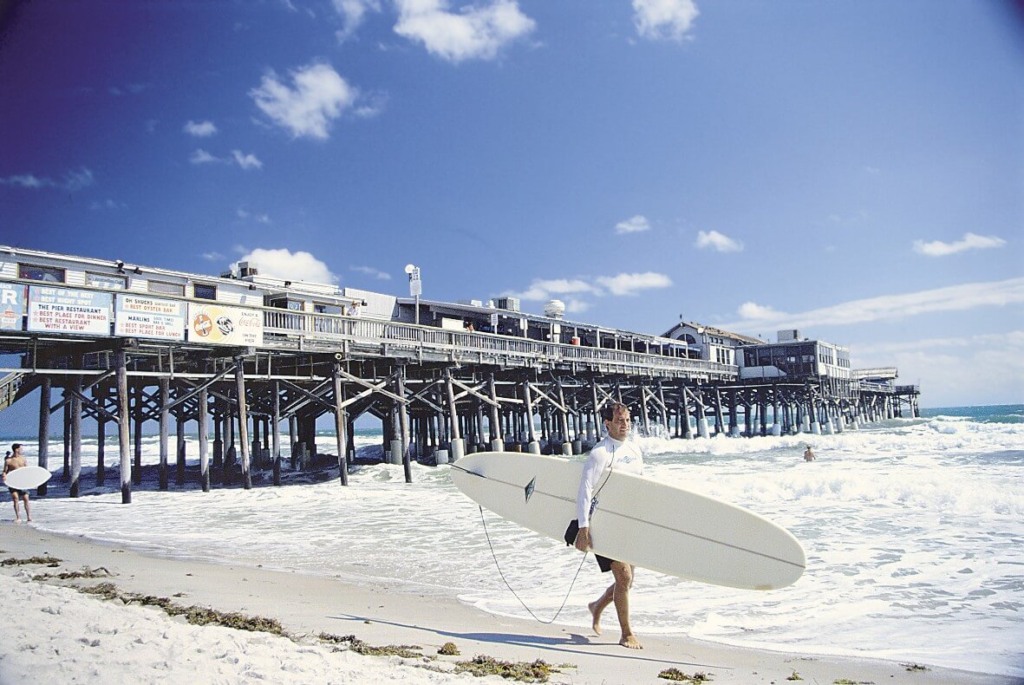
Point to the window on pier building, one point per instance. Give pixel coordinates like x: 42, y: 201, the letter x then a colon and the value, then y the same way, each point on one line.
x: 33, y: 272
x: 286, y: 303
x: 165, y: 288
x: 105, y: 281
x: 203, y: 291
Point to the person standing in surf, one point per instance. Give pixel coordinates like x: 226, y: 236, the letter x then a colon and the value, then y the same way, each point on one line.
x: 14, y: 460
x: 615, y: 452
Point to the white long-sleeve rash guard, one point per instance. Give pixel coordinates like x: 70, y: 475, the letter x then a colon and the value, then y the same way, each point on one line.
x: 624, y: 456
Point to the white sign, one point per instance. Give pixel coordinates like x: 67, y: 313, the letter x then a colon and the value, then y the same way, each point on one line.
x: 149, y: 317
x: 65, y: 310
x: 12, y: 306
x: 217, y: 325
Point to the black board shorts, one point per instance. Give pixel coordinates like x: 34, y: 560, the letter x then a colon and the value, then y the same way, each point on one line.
x: 16, y: 492
x: 604, y: 563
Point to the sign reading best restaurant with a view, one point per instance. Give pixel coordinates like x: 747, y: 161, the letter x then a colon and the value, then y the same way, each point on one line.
x: 149, y: 317
x: 217, y: 325
x: 66, y: 310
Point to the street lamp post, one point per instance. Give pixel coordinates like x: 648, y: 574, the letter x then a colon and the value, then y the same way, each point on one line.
x: 415, y: 287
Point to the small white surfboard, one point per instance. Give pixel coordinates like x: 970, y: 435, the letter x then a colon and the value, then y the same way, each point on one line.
x: 27, y: 477
x: 637, y: 520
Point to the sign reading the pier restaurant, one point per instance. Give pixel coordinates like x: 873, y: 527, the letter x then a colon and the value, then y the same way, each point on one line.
x: 12, y: 306
x: 217, y: 325
x: 149, y: 317
x: 66, y: 310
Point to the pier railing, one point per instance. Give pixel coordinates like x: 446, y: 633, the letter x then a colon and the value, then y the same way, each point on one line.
x: 306, y: 331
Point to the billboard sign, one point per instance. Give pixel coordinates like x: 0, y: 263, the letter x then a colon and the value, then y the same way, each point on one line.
x: 12, y: 306
x: 219, y: 325
x: 149, y: 317
x: 67, y: 310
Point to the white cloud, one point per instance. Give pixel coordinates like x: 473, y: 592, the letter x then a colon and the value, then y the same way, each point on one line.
x: 292, y: 266
x: 201, y: 156
x: 964, y: 370
x: 306, y: 109
x: 575, y: 306
x: 353, y: 12
x: 664, y: 19
x: 107, y: 205
x: 246, y: 161
x: 571, y: 289
x: 631, y: 284
x: 636, y: 224
x: 717, y: 242
x: 200, y: 129
x: 372, y: 273
x: 474, y: 32
x: 545, y: 289
x: 76, y: 179
x: 887, y: 307
x: 245, y: 215
x: 754, y: 311
x: 970, y: 241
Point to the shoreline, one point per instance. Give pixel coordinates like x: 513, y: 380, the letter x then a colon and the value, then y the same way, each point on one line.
x: 307, y: 605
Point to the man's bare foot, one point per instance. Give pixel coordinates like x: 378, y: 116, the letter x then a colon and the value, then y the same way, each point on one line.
x: 597, y: 617
x: 630, y: 642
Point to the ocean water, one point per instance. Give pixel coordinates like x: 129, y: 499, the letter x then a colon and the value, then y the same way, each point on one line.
x: 913, y: 528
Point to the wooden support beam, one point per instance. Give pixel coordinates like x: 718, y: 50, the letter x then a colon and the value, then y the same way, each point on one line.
x: 123, y: 422
x: 204, y: 455
x: 340, y: 424
x: 243, y: 421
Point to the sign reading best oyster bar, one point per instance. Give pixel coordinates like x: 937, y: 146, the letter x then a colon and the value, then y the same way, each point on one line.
x: 149, y: 317
x: 67, y: 310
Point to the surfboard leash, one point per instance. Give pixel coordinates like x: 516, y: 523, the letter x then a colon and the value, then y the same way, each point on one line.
x: 494, y: 556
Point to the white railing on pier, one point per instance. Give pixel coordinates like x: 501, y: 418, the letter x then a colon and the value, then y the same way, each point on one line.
x: 311, y: 331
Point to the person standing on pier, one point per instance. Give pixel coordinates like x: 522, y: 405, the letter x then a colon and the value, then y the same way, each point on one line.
x: 13, y: 461
x: 614, y: 452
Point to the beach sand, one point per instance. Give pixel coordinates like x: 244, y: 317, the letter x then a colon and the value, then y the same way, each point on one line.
x: 54, y: 633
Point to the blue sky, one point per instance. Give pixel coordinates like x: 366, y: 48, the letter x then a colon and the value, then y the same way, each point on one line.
x: 851, y: 169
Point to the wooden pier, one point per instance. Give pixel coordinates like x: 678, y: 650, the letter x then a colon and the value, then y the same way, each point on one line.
x: 100, y: 342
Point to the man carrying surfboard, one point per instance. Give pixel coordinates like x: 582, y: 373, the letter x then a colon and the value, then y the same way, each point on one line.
x: 13, y: 461
x: 615, y: 452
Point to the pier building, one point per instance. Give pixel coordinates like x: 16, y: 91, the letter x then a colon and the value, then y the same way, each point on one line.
x: 243, y: 357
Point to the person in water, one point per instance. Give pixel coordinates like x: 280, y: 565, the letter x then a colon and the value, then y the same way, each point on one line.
x: 613, y: 453
x: 808, y: 454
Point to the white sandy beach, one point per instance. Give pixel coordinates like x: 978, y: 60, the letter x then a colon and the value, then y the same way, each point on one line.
x: 53, y: 633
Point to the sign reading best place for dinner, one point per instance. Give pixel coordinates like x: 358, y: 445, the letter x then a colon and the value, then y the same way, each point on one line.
x: 218, y: 325
x: 67, y: 310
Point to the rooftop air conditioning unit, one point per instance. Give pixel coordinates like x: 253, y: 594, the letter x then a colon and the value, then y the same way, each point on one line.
x: 245, y: 270
x: 509, y: 303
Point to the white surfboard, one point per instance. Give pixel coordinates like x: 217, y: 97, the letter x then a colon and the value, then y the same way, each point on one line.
x: 27, y: 477
x: 637, y: 520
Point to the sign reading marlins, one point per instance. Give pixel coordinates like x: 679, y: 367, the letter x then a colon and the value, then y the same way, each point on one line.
x: 217, y: 325
x: 149, y: 317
